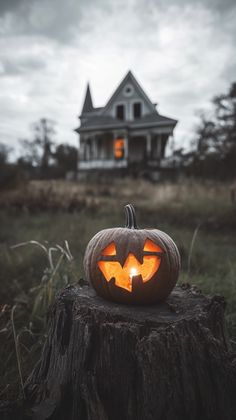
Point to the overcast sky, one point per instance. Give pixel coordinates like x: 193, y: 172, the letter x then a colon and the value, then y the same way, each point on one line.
x: 181, y: 51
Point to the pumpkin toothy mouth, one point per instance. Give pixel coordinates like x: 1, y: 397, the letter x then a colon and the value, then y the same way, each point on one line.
x: 132, y: 265
x: 124, y: 276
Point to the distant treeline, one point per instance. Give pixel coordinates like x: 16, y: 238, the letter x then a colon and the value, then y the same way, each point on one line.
x: 41, y: 157
x: 214, y: 144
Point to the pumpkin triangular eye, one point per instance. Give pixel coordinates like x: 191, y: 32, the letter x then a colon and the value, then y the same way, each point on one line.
x: 109, y: 250
x: 149, y: 246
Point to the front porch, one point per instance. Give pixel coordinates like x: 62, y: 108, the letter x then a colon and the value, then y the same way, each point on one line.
x: 120, y: 150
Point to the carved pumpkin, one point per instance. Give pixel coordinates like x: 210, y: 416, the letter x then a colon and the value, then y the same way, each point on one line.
x: 131, y: 265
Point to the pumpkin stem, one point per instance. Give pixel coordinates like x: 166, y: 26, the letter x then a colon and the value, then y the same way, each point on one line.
x: 130, y: 217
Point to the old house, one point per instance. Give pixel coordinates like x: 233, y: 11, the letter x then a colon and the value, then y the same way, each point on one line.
x: 126, y: 136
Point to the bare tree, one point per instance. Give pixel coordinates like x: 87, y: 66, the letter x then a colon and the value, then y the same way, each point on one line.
x: 4, y: 153
x: 216, y: 138
x: 39, y: 150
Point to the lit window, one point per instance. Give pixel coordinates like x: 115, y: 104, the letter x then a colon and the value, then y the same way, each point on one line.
x: 119, y: 148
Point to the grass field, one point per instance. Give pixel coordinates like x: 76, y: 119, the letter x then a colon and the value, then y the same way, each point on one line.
x: 54, y: 212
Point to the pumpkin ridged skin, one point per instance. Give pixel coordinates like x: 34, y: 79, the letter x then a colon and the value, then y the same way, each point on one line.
x: 131, y: 240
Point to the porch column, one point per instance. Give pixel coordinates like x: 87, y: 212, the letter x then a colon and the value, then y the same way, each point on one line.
x: 159, y: 142
x: 114, y: 136
x: 148, y: 144
x: 82, y: 148
x: 94, y: 148
x: 126, y: 147
x: 87, y: 149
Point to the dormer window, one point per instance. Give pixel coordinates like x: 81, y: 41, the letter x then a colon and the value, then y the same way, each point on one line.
x: 120, y: 112
x: 137, y: 110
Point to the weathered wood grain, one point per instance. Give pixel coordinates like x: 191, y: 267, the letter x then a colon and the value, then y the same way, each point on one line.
x: 106, y: 361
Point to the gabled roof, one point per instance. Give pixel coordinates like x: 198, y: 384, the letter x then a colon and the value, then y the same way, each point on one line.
x: 130, y: 78
x: 99, y: 119
x: 88, y: 103
x: 104, y: 122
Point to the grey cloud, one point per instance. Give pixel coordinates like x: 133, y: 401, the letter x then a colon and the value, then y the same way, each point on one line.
x: 11, y: 6
x: 63, y: 21
x: 229, y: 72
x: 54, y: 19
x: 16, y: 66
x: 221, y: 5
x: 48, y: 18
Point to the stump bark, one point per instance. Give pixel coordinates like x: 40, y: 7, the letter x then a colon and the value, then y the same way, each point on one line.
x: 107, y: 361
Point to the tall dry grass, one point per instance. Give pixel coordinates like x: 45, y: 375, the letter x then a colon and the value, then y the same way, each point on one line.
x: 204, y: 198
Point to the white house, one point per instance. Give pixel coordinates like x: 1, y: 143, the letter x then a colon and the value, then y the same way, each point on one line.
x: 126, y: 136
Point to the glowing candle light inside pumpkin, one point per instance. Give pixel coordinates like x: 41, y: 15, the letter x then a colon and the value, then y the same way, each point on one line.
x: 133, y: 272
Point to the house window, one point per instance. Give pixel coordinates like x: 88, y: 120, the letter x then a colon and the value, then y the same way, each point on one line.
x: 128, y: 90
x: 137, y: 110
x: 119, y: 149
x: 120, y: 112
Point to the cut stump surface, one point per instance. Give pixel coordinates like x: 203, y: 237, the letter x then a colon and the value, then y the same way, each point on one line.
x: 107, y: 361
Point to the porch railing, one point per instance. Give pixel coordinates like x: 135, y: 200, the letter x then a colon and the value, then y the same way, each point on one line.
x: 103, y: 164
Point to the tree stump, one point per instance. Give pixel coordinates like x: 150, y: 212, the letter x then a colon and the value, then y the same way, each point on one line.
x: 107, y: 361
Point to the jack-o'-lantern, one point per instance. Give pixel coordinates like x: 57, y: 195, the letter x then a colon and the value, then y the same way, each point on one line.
x: 131, y: 265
